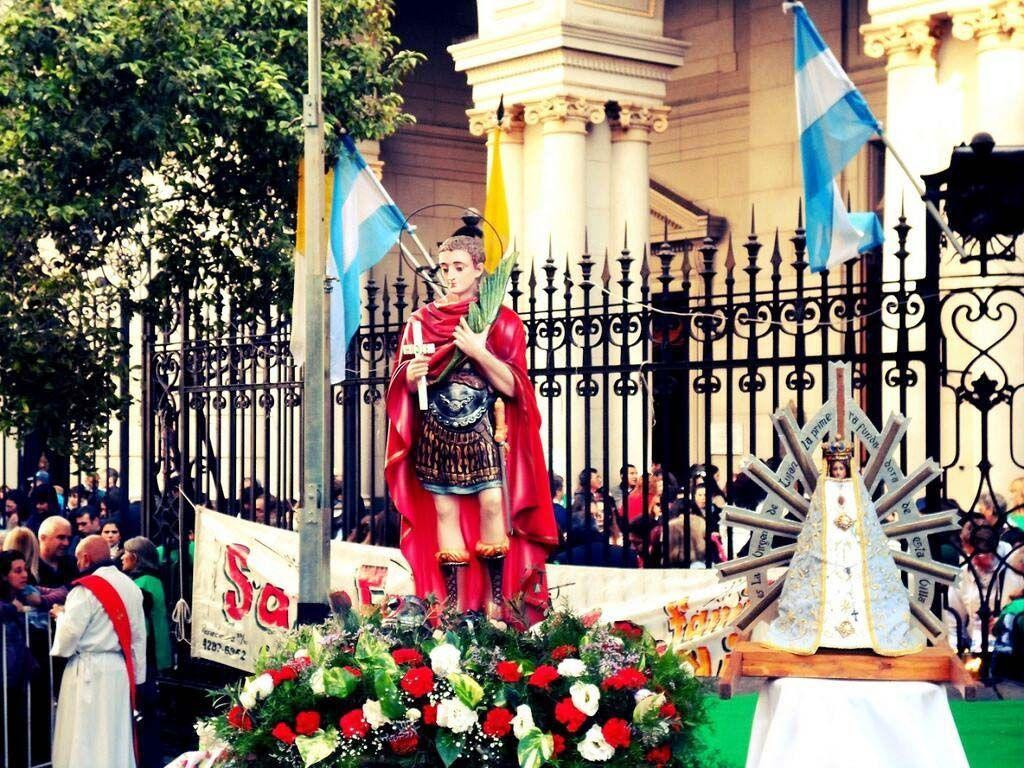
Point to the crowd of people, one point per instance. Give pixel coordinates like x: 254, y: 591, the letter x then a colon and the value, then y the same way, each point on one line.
x: 80, y: 593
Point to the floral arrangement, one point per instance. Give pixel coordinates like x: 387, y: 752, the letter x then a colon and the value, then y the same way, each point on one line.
x: 467, y: 692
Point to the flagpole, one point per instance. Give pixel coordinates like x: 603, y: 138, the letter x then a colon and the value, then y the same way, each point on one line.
x: 932, y: 210
x: 313, y: 541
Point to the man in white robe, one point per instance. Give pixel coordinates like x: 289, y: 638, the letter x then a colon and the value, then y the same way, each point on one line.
x: 94, y: 712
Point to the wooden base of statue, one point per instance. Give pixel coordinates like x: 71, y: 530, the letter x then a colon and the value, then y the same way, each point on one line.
x: 933, y: 665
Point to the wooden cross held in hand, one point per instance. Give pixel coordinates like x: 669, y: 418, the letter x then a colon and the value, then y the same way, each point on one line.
x: 416, y: 349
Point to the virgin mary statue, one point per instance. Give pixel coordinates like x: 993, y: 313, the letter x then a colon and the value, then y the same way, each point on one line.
x: 843, y: 589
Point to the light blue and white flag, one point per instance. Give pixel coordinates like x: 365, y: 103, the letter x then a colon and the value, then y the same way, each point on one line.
x: 365, y: 224
x: 835, y: 122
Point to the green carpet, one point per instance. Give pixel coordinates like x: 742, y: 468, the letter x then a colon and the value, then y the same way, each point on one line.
x: 992, y: 732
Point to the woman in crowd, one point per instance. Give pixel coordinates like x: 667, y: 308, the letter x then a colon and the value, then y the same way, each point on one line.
x: 38, y: 600
x: 17, y: 658
x: 141, y: 561
x: 15, y: 509
x: 111, y: 532
x: 108, y: 508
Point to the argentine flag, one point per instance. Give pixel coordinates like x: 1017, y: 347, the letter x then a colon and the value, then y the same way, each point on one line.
x: 365, y: 223
x: 835, y: 122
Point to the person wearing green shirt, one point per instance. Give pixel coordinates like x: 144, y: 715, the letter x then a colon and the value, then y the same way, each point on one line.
x: 141, y: 561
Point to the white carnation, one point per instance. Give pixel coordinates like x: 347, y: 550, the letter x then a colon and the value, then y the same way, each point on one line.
x: 572, y: 668
x: 455, y: 716
x: 586, y: 697
x: 302, y: 653
x: 642, y: 694
x: 522, y: 723
x: 263, y: 686
x: 373, y: 715
x: 444, y: 659
x: 594, y: 747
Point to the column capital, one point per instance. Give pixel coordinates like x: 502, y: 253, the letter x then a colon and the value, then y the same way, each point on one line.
x: 634, y: 122
x: 995, y: 25
x: 481, y: 121
x: 564, y: 114
x: 905, y: 44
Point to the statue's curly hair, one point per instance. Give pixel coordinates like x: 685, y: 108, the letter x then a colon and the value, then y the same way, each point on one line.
x: 472, y: 245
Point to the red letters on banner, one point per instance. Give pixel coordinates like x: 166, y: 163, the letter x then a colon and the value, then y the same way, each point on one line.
x: 273, y: 604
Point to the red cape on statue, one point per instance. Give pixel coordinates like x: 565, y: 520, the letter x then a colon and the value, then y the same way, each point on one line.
x: 534, y: 533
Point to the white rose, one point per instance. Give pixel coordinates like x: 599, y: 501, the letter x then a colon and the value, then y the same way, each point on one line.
x: 263, y: 686
x: 585, y: 697
x: 572, y: 668
x: 522, y: 723
x: 642, y: 694
x: 594, y: 747
x: 455, y: 716
x: 247, y: 698
x: 316, y: 682
x: 444, y: 659
x: 412, y: 715
x: 302, y: 653
x: 373, y: 715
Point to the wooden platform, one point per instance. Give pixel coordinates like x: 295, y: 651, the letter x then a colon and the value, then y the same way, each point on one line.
x: 934, y: 665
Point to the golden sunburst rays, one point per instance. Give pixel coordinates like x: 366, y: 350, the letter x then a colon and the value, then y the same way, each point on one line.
x: 779, y: 519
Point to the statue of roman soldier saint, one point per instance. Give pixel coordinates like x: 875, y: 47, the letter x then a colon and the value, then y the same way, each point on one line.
x: 843, y: 589
x: 477, y: 526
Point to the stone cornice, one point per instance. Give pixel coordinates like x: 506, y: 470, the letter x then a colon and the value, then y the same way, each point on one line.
x: 904, y: 44
x: 564, y: 113
x: 481, y: 121
x: 650, y: 49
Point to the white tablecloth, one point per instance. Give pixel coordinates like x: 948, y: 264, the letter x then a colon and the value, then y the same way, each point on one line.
x: 853, y: 724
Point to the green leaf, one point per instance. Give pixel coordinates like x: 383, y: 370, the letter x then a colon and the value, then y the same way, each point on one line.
x: 319, y: 746
x: 387, y: 694
x: 535, y: 748
x: 339, y: 682
x: 466, y: 688
x: 647, y: 708
x: 448, y: 747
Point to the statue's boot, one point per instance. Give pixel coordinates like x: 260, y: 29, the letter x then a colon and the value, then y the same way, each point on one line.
x: 493, y: 557
x: 453, y: 564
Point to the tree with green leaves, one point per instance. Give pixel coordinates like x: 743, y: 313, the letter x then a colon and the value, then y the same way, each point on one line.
x: 153, y: 146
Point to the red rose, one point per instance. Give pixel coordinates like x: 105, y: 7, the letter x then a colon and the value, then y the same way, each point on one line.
x: 239, y: 718
x: 628, y: 677
x: 404, y: 743
x: 616, y: 732
x: 668, y: 709
x: 567, y: 714
x: 282, y: 732
x: 429, y: 714
x: 563, y: 652
x: 498, y: 722
x: 355, y: 671
x: 408, y: 656
x: 508, y: 671
x: 659, y: 755
x: 307, y: 722
x: 353, y: 725
x: 543, y: 676
x: 418, y: 681
x: 628, y: 629
x: 559, y: 740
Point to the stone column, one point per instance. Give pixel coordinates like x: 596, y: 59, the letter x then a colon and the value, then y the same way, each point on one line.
x: 563, y: 175
x: 481, y: 122
x: 999, y: 30
x: 911, y: 100
x: 630, y: 205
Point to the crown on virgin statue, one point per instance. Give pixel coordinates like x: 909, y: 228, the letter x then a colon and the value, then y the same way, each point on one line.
x: 837, y: 450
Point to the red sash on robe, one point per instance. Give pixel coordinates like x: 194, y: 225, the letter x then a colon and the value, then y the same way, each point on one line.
x: 112, y: 603
x: 534, y: 532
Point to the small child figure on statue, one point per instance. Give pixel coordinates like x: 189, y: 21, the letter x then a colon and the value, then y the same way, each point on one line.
x: 477, y: 525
